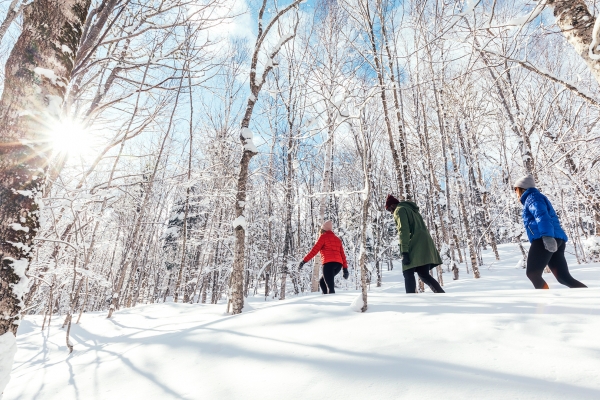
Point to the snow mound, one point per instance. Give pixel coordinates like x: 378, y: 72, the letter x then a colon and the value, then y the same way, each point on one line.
x: 357, y: 303
x: 247, y: 307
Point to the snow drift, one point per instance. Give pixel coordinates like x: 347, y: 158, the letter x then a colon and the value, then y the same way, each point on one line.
x: 492, y: 338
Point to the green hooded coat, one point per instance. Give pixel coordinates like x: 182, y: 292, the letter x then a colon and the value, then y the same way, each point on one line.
x: 414, y: 237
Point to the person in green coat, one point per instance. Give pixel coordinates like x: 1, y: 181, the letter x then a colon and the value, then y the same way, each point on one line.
x: 416, y: 245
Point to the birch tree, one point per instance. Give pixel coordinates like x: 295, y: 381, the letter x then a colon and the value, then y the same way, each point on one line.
x: 257, y: 80
x: 38, y: 71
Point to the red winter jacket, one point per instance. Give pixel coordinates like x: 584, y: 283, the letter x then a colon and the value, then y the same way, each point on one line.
x: 331, y: 249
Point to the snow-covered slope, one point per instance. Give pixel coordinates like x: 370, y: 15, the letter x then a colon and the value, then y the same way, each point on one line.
x: 492, y: 338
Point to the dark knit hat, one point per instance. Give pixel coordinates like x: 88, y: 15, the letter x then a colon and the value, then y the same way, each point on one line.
x: 390, y: 201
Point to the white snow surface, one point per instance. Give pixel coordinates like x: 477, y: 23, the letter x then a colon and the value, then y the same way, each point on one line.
x: 8, y: 348
x: 491, y: 338
x: 358, y: 303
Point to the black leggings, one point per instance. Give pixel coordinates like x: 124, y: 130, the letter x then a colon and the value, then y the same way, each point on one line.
x: 539, y: 257
x: 423, y: 271
x: 330, y: 270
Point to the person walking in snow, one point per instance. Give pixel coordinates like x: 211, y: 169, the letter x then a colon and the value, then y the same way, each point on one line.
x: 333, y: 258
x: 418, y: 250
x: 548, y: 239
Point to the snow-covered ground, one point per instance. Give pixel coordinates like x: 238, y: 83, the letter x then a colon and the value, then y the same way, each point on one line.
x: 492, y: 338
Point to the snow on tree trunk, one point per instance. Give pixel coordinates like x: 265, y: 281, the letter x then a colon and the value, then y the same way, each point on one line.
x: 37, y: 73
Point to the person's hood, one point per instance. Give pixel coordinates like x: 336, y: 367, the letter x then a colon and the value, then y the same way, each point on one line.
x: 526, y: 194
x: 409, y: 204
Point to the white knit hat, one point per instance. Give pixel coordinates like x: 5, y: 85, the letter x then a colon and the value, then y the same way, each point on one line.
x: 525, y: 182
x: 327, y: 225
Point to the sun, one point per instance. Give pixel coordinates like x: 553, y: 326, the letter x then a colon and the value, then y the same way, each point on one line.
x: 70, y: 137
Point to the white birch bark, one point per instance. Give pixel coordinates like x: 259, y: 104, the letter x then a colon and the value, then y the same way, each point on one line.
x: 577, y: 25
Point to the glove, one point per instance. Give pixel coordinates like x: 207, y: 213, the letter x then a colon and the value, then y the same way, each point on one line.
x: 301, y: 265
x: 550, y: 244
x: 405, y: 259
x: 346, y: 274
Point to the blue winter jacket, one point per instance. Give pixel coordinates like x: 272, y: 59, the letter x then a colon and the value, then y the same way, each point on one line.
x: 539, y: 216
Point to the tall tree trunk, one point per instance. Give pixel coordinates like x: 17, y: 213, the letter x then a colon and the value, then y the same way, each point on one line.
x: 403, y: 181
x: 465, y: 216
x: 397, y: 105
x: 443, y: 218
x: 38, y: 71
x: 480, y: 215
x: 288, y: 241
x: 187, y: 193
x: 443, y: 126
x: 433, y: 181
x: 365, y: 152
x: 249, y: 150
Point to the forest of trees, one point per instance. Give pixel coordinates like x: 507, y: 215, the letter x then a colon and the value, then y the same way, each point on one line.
x: 188, y: 151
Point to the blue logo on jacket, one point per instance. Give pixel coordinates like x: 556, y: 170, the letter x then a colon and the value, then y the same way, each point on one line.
x: 539, y: 216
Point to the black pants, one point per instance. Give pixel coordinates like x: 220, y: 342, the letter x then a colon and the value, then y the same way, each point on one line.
x: 539, y: 257
x: 330, y: 270
x: 410, y: 282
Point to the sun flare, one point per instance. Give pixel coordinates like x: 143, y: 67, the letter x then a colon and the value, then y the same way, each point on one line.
x: 70, y: 137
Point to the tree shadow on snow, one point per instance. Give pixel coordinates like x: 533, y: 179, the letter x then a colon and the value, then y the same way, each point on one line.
x: 403, y: 373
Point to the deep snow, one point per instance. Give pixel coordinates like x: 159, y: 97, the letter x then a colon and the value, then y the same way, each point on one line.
x: 492, y: 338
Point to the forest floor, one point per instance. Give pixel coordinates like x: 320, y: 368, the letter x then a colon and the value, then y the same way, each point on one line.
x: 491, y: 338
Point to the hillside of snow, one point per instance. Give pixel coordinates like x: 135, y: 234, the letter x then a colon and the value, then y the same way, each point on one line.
x: 492, y: 338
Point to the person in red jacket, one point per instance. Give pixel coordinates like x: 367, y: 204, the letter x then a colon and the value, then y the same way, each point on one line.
x: 333, y: 257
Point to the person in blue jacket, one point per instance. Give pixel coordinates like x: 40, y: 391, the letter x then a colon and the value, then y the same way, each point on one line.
x: 548, y: 239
